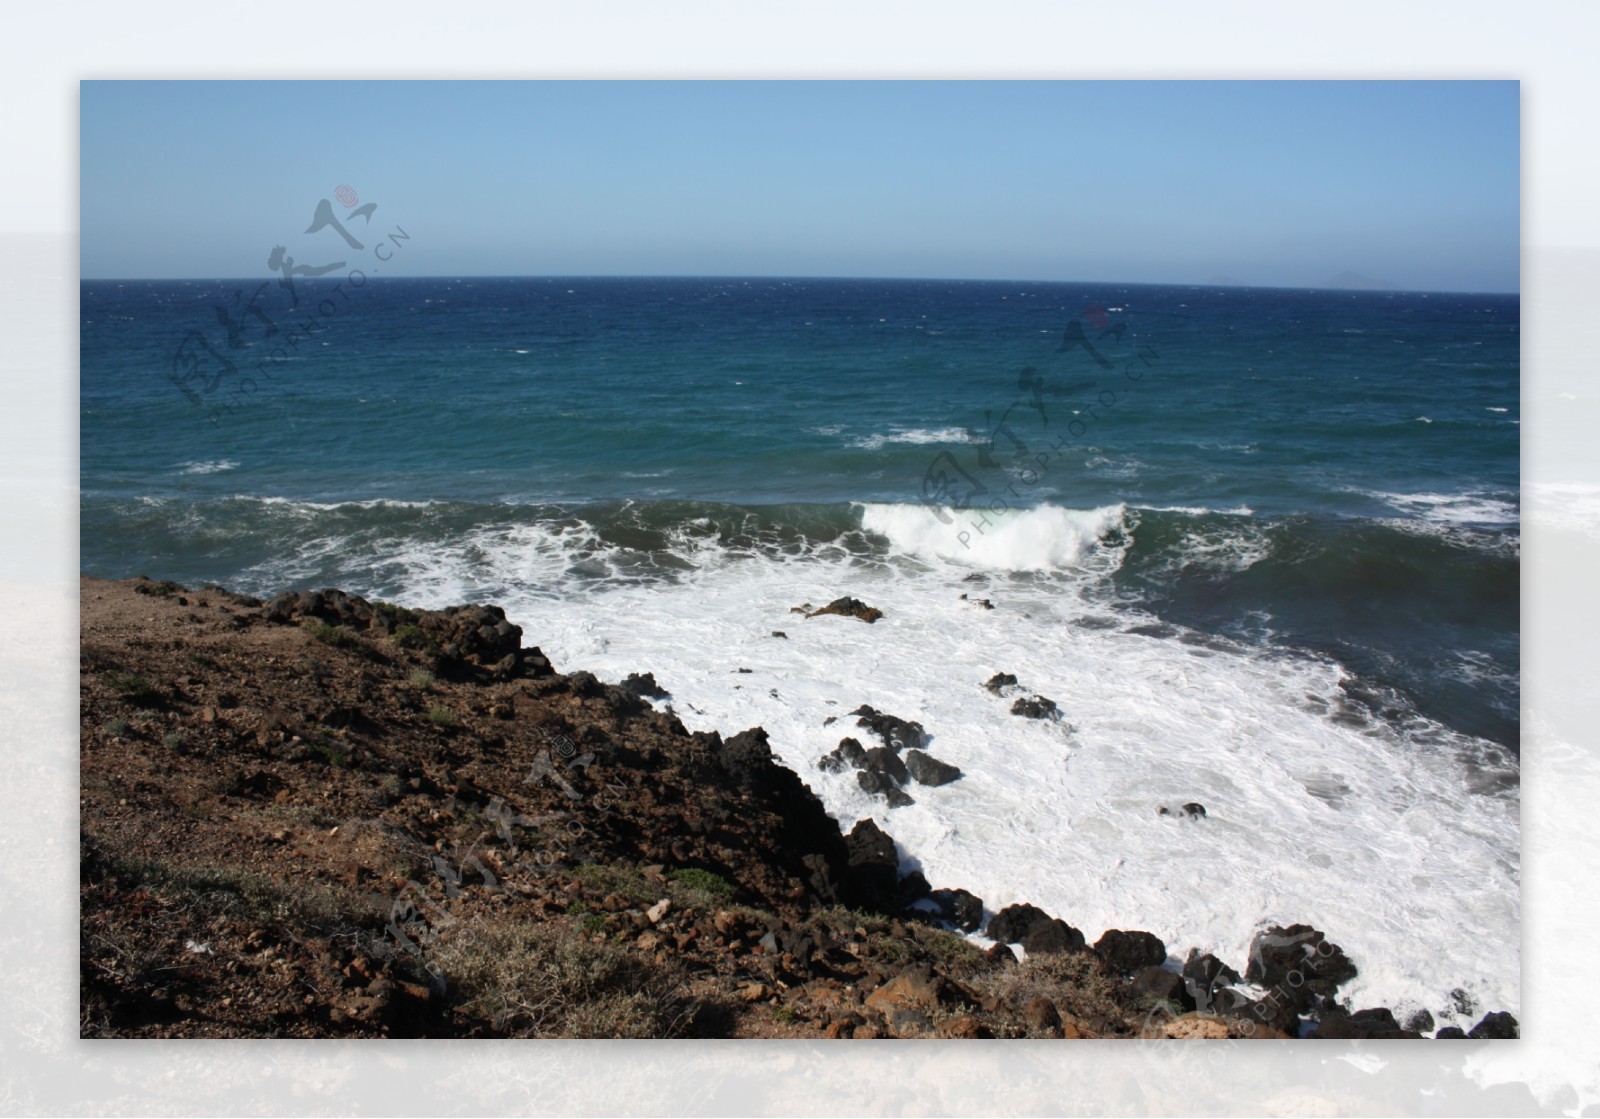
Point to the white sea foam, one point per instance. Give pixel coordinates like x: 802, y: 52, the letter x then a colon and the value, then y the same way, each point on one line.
x: 208, y: 467
x: 1371, y: 833
x: 910, y: 435
x: 1045, y: 538
x: 1475, y: 508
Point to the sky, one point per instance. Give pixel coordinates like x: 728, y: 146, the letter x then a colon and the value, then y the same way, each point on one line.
x: 1414, y: 184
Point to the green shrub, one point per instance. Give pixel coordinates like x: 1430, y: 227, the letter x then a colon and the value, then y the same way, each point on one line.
x: 703, y: 881
x: 135, y: 689
x: 409, y: 636
x: 330, y: 753
x: 337, y: 636
x: 423, y: 679
x: 203, y: 661
x: 116, y: 728
x: 441, y: 716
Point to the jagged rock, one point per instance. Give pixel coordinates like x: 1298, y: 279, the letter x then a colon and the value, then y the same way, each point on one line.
x: 928, y: 770
x: 1035, y: 707
x: 1127, y: 952
x: 1161, y: 984
x: 1419, y: 1022
x: 1012, y: 923
x: 875, y: 782
x: 897, y: 734
x: 1448, y: 1033
x: 849, y: 753
x: 1000, y: 680
x: 1497, y: 1025
x: 960, y: 908
x: 644, y: 686
x: 1204, y: 975
x: 1053, y: 935
x: 1194, y: 808
x: 916, y: 988
x: 873, y: 863
x: 850, y: 608
x: 747, y: 758
x: 1375, y: 1023
x: 913, y: 888
x: 1300, y: 962
x: 885, y: 762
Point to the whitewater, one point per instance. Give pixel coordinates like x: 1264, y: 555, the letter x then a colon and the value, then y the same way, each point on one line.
x: 1392, y: 835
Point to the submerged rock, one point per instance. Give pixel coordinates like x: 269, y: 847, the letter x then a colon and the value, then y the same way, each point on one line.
x: 849, y: 608
x: 897, y: 733
x: 1035, y: 707
x: 644, y: 686
x: 960, y: 907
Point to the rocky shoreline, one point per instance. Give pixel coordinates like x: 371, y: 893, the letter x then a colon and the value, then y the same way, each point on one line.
x: 319, y: 816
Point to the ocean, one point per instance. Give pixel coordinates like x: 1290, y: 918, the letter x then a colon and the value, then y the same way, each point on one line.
x: 1260, y: 546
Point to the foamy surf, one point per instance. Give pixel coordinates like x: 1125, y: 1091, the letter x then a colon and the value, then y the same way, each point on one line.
x: 1391, y: 836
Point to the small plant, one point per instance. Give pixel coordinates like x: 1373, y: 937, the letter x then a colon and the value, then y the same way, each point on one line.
x: 329, y: 753
x: 788, y: 1015
x: 694, y: 878
x: 173, y: 741
x: 592, y: 923
x: 135, y: 689
x: 422, y: 678
x: 203, y: 661
x: 337, y: 636
x: 163, y: 589
x: 409, y: 636
x: 441, y: 716
x: 116, y: 728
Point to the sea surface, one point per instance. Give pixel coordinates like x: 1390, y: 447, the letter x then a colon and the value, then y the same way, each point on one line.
x: 1260, y: 546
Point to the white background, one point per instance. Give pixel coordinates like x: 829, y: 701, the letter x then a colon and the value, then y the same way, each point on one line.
x: 1550, y: 47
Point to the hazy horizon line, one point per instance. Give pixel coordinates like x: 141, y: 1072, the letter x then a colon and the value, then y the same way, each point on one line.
x: 1351, y: 289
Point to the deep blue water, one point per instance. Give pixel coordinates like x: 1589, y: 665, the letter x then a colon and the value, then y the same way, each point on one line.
x: 1325, y: 472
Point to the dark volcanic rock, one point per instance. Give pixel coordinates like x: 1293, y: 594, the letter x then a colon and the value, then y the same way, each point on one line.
x: 873, y: 863
x: 1052, y: 935
x: 1203, y: 975
x: 897, y: 734
x: 848, y: 754
x: 850, y: 608
x: 1000, y: 680
x: 1373, y: 1024
x: 1159, y: 983
x: 1194, y: 808
x: 1448, y: 1033
x: 1127, y: 952
x: 1497, y: 1025
x: 928, y: 770
x: 1012, y: 923
x: 885, y: 762
x: 1300, y: 962
x: 1421, y: 1022
x: 747, y: 758
x: 960, y: 908
x: 1035, y: 707
x: 644, y: 686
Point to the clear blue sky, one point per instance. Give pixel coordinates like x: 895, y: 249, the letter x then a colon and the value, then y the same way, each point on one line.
x: 1272, y: 183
